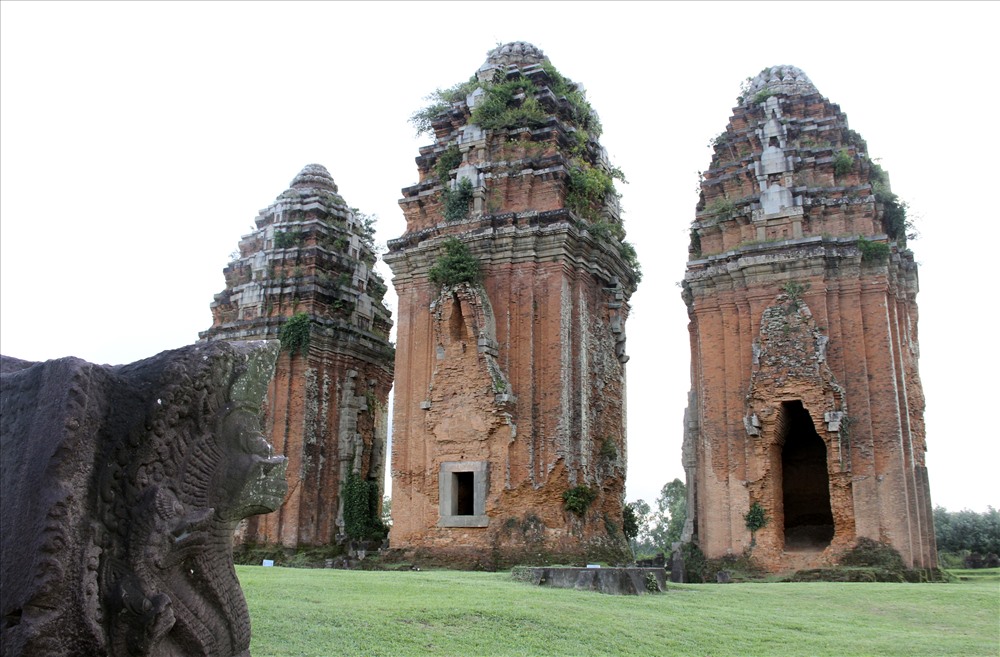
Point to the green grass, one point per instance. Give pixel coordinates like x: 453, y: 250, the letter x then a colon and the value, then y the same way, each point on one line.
x: 977, y: 574
x: 333, y: 612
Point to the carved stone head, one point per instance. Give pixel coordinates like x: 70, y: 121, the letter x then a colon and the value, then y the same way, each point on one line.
x: 124, y: 485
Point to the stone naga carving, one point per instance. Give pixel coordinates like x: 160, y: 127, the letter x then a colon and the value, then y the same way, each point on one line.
x: 121, y: 488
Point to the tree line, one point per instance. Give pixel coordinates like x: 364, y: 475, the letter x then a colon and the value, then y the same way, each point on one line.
x: 966, y: 538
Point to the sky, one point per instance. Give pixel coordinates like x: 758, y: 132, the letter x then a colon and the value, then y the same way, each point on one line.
x: 139, y: 140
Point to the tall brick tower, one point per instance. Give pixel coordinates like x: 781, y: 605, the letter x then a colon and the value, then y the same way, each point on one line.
x: 306, y: 271
x: 513, y: 282
x: 801, y: 294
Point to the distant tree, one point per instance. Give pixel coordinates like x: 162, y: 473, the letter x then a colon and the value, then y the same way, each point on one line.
x: 640, y: 515
x: 660, y: 527
x: 671, y: 510
x: 387, y: 511
x: 967, y: 530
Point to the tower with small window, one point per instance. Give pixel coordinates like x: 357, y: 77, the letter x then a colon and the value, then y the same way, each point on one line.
x: 513, y: 279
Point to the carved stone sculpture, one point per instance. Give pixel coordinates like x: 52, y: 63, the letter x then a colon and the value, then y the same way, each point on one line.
x: 121, y: 487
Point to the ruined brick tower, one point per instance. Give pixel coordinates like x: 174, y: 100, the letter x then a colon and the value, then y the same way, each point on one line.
x: 310, y: 259
x: 509, y: 414
x: 801, y: 296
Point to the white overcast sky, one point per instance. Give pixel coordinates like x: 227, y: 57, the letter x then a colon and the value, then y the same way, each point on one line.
x: 139, y: 140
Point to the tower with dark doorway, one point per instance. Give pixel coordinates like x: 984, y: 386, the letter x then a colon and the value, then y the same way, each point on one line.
x: 801, y: 295
x: 513, y: 281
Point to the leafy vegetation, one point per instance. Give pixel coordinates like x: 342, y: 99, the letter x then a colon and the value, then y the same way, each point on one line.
x: 895, y: 222
x: 695, y: 564
x: 578, y: 499
x: 630, y: 523
x: 722, y: 208
x: 362, y: 519
x: 872, y: 251
x: 756, y: 518
x: 455, y: 266
x: 294, y: 333
x: 508, y: 104
x: 660, y: 527
x: 422, y: 120
x: 695, y: 242
x: 627, y: 251
x: 873, y: 554
x: 842, y: 163
x: 286, y: 239
x: 589, y: 187
x: 966, y: 538
x: 448, y: 160
x: 457, y: 201
x: 367, y: 222
x: 512, y: 102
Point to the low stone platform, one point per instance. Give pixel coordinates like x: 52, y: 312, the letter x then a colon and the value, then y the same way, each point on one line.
x: 614, y: 581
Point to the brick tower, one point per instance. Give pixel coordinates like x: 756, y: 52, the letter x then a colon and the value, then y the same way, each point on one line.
x: 308, y: 268
x: 513, y: 282
x: 801, y: 294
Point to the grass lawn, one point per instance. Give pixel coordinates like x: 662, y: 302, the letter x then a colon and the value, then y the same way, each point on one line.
x: 334, y: 612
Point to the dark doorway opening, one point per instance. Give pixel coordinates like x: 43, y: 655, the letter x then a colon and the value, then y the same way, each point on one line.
x: 805, y: 484
x: 465, y: 495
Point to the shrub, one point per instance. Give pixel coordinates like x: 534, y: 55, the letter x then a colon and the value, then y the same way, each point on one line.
x: 870, y: 553
x: 627, y: 251
x: 842, y: 163
x: 608, y: 450
x: 422, y: 120
x: 447, y: 161
x: 455, y: 266
x: 284, y: 240
x: 722, y: 207
x: 872, y: 251
x: 362, y: 519
x: 630, y: 522
x: 742, y: 567
x: 294, y: 333
x: 503, y: 106
x: 694, y: 563
x: 578, y: 499
x: 456, y: 201
x: 695, y: 243
x: 756, y: 518
x: 587, y: 191
x: 763, y: 95
x: 976, y: 560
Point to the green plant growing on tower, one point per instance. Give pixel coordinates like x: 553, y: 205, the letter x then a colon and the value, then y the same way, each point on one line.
x: 763, y: 95
x: 722, y: 208
x: 361, y: 514
x: 794, y: 290
x: 578, y: 499
x: 294, y: 333
x: 457, y: 201
x: 872, y: 251
x: 448, y: 160
x: 756, y: 519
x: 588, y: 188
x: 455, y: 266
x: 842, y: 163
